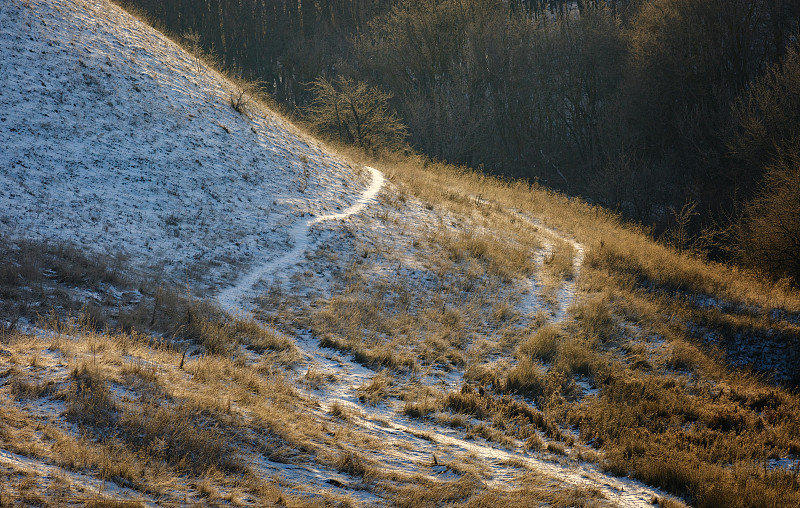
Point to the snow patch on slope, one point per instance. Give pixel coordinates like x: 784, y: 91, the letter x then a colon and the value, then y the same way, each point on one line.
x: 113, y: 140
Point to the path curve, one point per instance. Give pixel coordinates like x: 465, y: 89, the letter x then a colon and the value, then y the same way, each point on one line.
x: 347, y: 375
x: 567, y: 293
x: 402, y: 434
x: 233, y: 299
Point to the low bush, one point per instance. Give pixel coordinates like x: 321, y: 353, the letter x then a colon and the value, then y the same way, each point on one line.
x: 543, y: 344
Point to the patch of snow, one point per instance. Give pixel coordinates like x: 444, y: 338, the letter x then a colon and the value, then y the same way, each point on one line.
x: 789, y: 464
x: 112, y: 140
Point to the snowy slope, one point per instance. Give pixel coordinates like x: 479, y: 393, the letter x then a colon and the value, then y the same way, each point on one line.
x: 111, y: 138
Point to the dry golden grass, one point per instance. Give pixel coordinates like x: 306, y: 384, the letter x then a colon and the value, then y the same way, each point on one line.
x: 149, y: 425
x: 678, y: 433
x: 655, y: 398
x: 644, y: 394
x: 378, y: 389
x: 647, y: 277
x: 420, y: 409
x: 469, y: 491
x: 506, y: 257
x: 32, y: 272
x: 607, y: 239
x: 355, y: 465
x: 455, y: 314
x: 675, y: 416
x: 424, y: 493
x: 559, y: 262
x: 543, y: 343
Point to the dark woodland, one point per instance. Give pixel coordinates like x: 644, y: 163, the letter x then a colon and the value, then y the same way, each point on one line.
x: 683, y: 115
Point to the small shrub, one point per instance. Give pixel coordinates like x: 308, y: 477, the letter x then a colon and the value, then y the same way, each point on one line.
x: 356, y: 113
x: 245, y: 93
x: 260, y: 338
x: 353, y: 464
x: 457, y: 422
x: 489, y: 434
x: 543, y: 344
x: 575, y: 356
x: 595, y: 318
x: 665, y: 502
x: 684, y: 356
x: 468, y: 401
x: 528, y: 378
x: 30, y: 389
x: 556, y: 448
x: 339, y: 411
x: 534, y: 443
x: 378, y: 388
x: 418, y: 409
x: 179, y: 435
x: 560, y: 261
x: 89, y: 401
x: 315, y: 379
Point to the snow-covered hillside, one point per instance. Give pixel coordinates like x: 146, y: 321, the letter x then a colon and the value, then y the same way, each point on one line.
x: 112, y: 137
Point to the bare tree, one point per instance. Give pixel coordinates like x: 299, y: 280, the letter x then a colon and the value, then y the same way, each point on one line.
x: 768, y: 145
x: 769, y: 233
x: 356, y: 113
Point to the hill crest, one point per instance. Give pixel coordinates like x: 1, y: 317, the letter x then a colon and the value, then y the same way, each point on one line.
x: 116, y: 139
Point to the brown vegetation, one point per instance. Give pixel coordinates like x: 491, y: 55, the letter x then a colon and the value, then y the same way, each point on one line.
x: 649, y: 331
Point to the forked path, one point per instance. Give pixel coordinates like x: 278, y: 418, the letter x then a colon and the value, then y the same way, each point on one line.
x: 234, y: 300
x: 411, y: 443
x: 568, y: 291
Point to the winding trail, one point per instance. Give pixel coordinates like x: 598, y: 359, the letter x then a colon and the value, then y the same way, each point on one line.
x: 234, y: 299
x: 411, y: 443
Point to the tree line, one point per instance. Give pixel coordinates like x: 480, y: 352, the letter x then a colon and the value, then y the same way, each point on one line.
x: 681, y: 114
